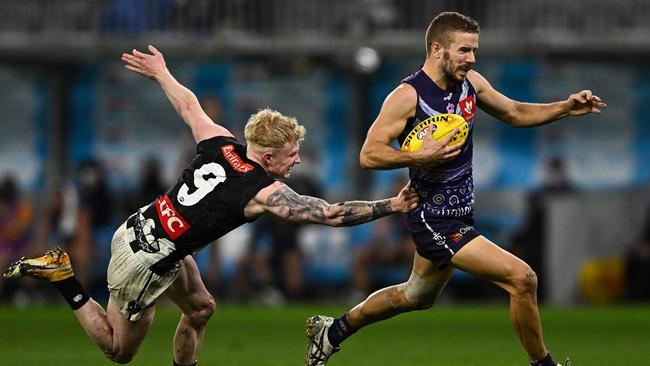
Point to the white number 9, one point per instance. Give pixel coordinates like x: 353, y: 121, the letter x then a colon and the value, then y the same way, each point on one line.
x: 203, y: 186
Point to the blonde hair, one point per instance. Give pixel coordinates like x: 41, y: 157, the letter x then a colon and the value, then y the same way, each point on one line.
x: 269, y: 128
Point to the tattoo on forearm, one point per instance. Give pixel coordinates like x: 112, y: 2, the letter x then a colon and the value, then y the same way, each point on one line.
x: 296, y: 207
x: 358, y: 212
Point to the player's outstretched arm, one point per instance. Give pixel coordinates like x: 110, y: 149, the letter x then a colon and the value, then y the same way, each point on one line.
x: 284, y: 202
x: 518, y: 114
x: 182, y: 99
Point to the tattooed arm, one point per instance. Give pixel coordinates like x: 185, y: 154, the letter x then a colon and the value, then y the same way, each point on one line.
x: 282, y: 201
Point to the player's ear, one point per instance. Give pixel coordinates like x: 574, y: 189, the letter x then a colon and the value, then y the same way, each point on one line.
x: 436, y: 49
x: 267, y: 157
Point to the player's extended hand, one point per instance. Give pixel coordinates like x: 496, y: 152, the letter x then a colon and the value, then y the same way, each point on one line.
x: 406, y: 200
x: 436, y: 152
x: 584, y: 102
x: 149, y: 65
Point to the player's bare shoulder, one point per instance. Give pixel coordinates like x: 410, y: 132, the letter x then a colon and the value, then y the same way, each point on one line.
x: 398, y: 106
x: 478, y: 81
x: 403, y: 95
x: 205, y: 128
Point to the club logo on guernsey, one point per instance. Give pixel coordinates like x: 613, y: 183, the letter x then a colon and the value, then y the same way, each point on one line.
x: 172, y: 222
x: 468, y: 108
x: 234, y: 160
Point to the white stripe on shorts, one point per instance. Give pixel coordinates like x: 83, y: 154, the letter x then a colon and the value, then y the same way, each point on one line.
x: 439, y: 239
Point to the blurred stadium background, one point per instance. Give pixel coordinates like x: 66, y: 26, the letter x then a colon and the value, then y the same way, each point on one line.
x: 82, y: 140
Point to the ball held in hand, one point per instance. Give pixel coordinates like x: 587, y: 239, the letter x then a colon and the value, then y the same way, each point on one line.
x: 443, y: 125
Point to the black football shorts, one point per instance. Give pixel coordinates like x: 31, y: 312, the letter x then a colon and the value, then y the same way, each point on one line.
x: 439, y: 239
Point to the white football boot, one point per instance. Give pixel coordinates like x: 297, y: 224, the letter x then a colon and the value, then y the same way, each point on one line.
x: 319, y: 348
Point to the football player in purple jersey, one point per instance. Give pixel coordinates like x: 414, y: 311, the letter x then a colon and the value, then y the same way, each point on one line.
x: 442, y: 226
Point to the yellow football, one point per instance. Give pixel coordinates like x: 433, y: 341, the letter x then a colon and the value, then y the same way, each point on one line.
x: 442, y: 124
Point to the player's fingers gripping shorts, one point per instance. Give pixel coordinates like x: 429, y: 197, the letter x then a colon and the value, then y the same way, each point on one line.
x: 439, y: 239
x: 132, y: 286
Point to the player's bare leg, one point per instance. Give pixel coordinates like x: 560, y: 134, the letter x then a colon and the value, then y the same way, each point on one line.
x: 117, y: 337
x: 419, y: 292
x: 197, y: 305
x: 483, y: 258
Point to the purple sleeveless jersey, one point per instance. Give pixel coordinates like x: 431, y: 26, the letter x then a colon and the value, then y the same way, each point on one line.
x: 446, y: 190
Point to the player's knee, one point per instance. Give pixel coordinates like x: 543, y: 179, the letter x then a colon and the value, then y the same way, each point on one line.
x: 420, y: 300
x: 119, y: 357
x: 396, y: 298
x: 525, y: 282
x: 399, y: 300
x: 202, y: 313
x: 122, y: 359
x: 418, y: 293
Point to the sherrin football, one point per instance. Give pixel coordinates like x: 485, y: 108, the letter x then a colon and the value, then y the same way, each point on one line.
x: 442, y: 124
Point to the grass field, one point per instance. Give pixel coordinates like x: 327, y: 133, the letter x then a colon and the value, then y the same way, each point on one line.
x: 443, y: 336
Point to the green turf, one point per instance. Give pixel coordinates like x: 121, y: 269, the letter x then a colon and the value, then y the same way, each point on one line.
x: 244, y: 335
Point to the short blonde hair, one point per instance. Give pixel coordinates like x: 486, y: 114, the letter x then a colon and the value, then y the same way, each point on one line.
x: 269, y: 128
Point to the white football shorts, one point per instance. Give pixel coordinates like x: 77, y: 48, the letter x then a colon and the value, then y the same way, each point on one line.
x: 132, y: 286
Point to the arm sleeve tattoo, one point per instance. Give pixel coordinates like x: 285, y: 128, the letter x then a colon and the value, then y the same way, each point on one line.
x: 358, y: 212
x: 301, y: 208
x: 296, y: 207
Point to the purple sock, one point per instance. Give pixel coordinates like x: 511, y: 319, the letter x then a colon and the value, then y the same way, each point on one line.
x: 339, y: 331
x: 546, y: 361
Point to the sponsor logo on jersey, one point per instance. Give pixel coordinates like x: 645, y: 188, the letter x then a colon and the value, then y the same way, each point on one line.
x: 468, y: 108
x: 172, y: 222
x: 234, y: 160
